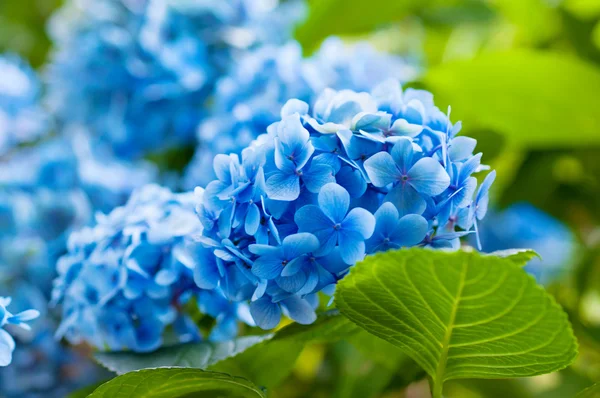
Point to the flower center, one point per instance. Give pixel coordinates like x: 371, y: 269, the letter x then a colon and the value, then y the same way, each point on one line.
x: 337, y: 227
x: 404, y: 178
x: 284, y: 263
x: 386, y: 240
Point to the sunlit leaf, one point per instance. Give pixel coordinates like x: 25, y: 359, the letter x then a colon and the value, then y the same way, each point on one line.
x: 517, y: 256
x: 537, y: 99
x: 590, y: 392
x: 459, y: 315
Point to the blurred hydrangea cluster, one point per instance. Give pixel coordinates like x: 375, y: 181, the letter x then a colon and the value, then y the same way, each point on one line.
x: 125, y: 283
x: 137, y: 73
x: 360, y: 173
x: 48, y: 190
x: 249, y: 97
x: 524, y: 226
x: 22, y: 119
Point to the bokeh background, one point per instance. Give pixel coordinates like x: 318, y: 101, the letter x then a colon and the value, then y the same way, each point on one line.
x: 524, y: 78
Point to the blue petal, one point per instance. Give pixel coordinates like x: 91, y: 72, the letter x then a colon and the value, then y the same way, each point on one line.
x: 469, y: 167
x: 266, y: 314
x: 482, y: 197
x: 221, y: 165
x: 361, y: 221
x: 310, y: 218
x: 382, y: 169
x: 299, y: 310
x: 281, y: 186
x: 386, y: 219
x: 352, y: 246
x: 206, y: 273
x: 461, y: 148
x: 299, y: 244
x: 7, y: 346
x: 406, y: 199
x: 334, y: 201
x: 252, y: 219
x: 410, y: 230
x: 352, y: 180
x: 267, y: 267
x: 403, y: 128
x: 403, y: 154
x: 428, y: 177
x: 333, y: 262
x: 317, y: 176
x: 293, y: 283
x: 294, y: 106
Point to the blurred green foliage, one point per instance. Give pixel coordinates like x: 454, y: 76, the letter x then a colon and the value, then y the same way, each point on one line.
x: 23, y: 28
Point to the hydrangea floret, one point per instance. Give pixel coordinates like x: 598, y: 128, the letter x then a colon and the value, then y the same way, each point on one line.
x: 359, y: 173
x: 7, y: 343
x: 136, y: 74
x: 22, y: 119
x: 250, y: 96
x: 124, y: 283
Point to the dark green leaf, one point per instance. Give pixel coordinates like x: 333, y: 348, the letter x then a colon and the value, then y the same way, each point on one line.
x: 459, y: 315
x: 523, y: 95
x: 177, y: 382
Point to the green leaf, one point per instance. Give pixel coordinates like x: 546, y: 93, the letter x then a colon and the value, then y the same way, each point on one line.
x: 518, y: 256
x: 459, y: 315
x: 85, y: 391
x: 195, y: 355
x: 270, y: 362
x: 523, y: 94
x: 339, y: 17
x: 177, y: 382
x: 590, y: 392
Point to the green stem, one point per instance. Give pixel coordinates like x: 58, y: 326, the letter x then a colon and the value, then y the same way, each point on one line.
x: 438, y: 386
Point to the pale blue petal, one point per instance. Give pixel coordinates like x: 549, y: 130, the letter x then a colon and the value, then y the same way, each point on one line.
x: 461, y: 148
x: 281, y: 186
x: 266, y: 314
x: 428, y: 177
x: 310, y: 218
x: 252, y: 219
x: 361, y: 221
x: 267, y: 267
x: 406, y: 199
x: 299, y: 244
x: 299, y: 310
x: 403, y: 154
x: 410, y: 231
x: 294, y: 106
x: 382, y: 169
x: 334, y: 201
x: 352, y: 246
x: 317, y: 176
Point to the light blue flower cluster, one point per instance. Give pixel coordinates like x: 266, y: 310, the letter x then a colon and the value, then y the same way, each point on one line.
x: 7, y: 343
x: 524, y: 226
x: 137, y: 73
x: 125, y: 281
x: 250, y: 96
x: 361, y: 173
x: 42, y: 367
x: 46, y: 192
x: 22, y: 119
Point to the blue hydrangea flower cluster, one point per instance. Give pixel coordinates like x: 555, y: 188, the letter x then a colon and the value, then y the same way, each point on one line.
x: 46, y: 192
x: 126, y: 280
x: 22, y: 119
x: 41, y: 366
x: 137, y: 73
x: 524, y: 226
x: 359, y: 174
x: 7, y: 343
x: 248, y: 99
